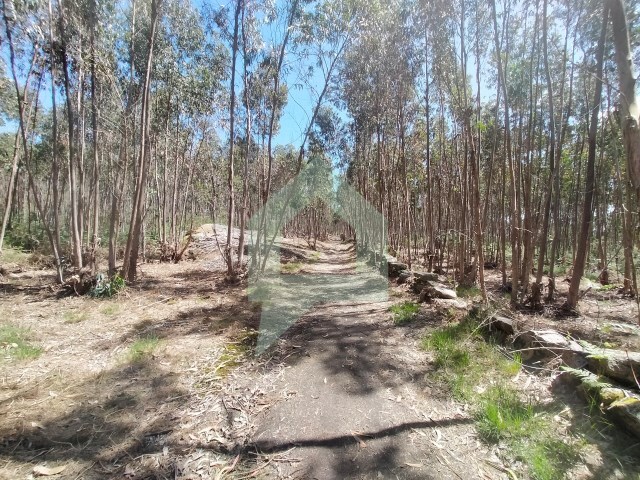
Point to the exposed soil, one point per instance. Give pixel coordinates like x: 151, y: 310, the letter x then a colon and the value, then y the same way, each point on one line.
x: 343, y: 394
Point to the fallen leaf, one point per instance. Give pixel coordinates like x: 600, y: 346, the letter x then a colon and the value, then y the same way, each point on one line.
x: 325, y: 379
x: 48, y: 471
x: 415, y: 465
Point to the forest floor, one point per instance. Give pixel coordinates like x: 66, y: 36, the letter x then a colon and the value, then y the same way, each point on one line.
x: 162, y: 381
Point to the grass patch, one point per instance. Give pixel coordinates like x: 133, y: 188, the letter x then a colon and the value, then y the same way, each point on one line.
x: 404, y: 312
x: 73, y: 316
x: 291, y: 267
x: 478, y: 374
x: 15, y: 343
x: 314, y: 257
x: 468, y: 292
x: 110, y: 309
x: 143, y: 348
x: 501, y: 414
x: 549, y: 459
x: 14, y: 255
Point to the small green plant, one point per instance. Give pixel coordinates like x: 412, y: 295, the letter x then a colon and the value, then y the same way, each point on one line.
x: 143, y: 347
x: 404, y: 312
x: 608, y: 287
x: 291, y: 267
x: 110, y: 309
x: 551, y: 458
x: 502, y: 414
x: 14, y: 343
x: 467, y: 292
x: 73, y: 316
x: 106, y: 287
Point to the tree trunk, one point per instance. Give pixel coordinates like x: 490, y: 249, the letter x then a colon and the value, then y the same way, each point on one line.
x: 587, y: 210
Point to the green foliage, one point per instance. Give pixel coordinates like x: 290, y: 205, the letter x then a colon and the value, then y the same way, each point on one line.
x: 478, y: 374
x: 467, y: 292
x: 291, y: 267
x: 501, y: 414
x: 25, y: 238
x: 15, y: 343
x: 106, y: 287
x: 549, y: 459
x: 14, y: 255
x: 74, y: 317
x: 405, y: 312
x: 143, y: 348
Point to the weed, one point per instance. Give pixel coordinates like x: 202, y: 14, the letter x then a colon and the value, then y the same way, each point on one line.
x: 477, y: 373
x: 467, y: 292
x: 502, y: 414
x: 143, y: 347
x: 110, y: 309
x: 14, y: 255
x: 548, y: 458
x: 73, y: 316
x: 106, y: 287
x: 14, y: 341
x: 291, y: 267
x: 404, y: 312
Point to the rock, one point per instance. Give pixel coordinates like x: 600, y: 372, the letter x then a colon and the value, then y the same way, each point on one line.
x: 458, y: 303
x: 617, y: 364
x: 422, y: 279
x: 436, y: 290
x: 395, y: 267
x: 426, y: 277
x: 504, y: 324
x: 622, y: 406
x: 551, y: 344
x: 404, y: 276
x: 626, y: 413
x: 608, y: 395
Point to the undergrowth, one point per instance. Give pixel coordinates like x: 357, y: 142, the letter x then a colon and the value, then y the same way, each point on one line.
x: 291, y: 267
x: 478, y: 374
x: 143, y: 348
x: 106, y: 287
x: 15, y: 343
x: 404, y: 312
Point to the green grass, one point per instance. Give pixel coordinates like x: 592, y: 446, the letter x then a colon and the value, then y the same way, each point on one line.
x: 501, y: 414
x: 110, y: 309
x: 291, y: 267
x: 143, y: 348
x: 468, y: 292
x: 14, y: 255
x: 477, y: 373
x: 73, y: 316
x: 404, y: 312
x: 549, y: 459
x: 314, y: 257
x: 15, y: 343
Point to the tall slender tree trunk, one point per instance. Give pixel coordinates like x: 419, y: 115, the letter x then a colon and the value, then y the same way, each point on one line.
x: 587, y: 209
x: 232, y: 140
x: 137, y: 212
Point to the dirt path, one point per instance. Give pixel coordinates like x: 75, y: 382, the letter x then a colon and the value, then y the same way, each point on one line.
x: 357, y: 401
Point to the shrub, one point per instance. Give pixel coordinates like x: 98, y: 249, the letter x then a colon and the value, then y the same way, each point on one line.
x: 106, y: 287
